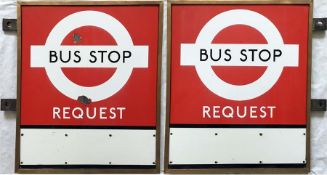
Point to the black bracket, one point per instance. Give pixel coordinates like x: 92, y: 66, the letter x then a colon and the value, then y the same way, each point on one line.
x: 8, y: 104
x: 9, y: 25
x: 318, y: 104
x: 319, y: 24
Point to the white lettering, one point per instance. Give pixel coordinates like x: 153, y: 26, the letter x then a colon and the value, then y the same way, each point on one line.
x: 253, y: 112
x: 79, y: 114
x: 55, y: 112
x: 272, y: 111
x: 121, y: 109
x: 66, y: 112
x: 102, y: 113
x: 205, y: 112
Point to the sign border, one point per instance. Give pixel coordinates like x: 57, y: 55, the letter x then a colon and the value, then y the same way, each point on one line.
x: 263, y: 170
x: 82, y: 170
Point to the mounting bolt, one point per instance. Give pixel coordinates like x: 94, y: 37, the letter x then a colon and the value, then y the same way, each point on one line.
x: 216, y: 162
x: 22, y: 134
x: 8, y: 104
x: 260, y: 134
x: 304, y: 134
x: 260, y: 162
x: 9, y: 24
x: 216, y: 134
x: 21, y: 162
x: 319, y: 104
x: 319, y: 24
x: 154, y: 135
x: 66, y: 135
x: 171, y: 133
x: 170, y: 162
x: 66, y: 163
x: 110, y: 135
x: 109, y: 163
x: 153, y: 163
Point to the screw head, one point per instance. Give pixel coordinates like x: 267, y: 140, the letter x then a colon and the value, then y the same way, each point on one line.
x: 260, y: 134
x: 66, y: 135
x: 110, y: 135
x: 320, y: 23
x: 9, y: 24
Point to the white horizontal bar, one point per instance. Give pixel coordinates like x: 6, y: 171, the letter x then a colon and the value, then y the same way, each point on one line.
x: 287, y: 55
x: 87, y: 146
x: 237, y: 145
x: 89, y: 56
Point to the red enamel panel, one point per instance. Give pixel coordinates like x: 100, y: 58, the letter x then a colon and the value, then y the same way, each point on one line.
x: 138, y: 96
x: 283, y: 104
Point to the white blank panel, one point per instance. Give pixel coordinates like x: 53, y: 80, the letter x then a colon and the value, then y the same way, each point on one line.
x: 237, y: 145
x: 87, y: 147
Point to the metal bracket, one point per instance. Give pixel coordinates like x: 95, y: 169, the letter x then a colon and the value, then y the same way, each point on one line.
x: 8, y: 104
x: 318, y: 104
x: 319, y: 24
x: 9, y: 25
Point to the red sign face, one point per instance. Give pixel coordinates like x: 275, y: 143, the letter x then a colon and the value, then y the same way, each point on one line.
x: 239, y: 64
x: 108, y: 54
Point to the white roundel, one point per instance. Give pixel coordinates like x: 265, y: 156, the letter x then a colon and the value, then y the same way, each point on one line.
x: 219, y: 86
x: 103, y: 21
